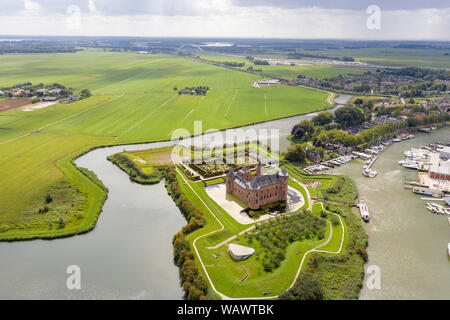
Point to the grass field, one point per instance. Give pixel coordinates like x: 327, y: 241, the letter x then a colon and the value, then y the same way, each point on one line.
x: 133, y: 101
x: 310, y: 71
x: 392, y: 56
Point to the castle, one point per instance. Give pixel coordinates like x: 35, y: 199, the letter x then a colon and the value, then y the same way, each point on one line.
x: 259, y: 189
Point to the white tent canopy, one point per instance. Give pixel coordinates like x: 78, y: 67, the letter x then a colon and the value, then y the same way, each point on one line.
x: 238, y: 252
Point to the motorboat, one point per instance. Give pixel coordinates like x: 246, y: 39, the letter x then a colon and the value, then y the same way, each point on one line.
x: 369, y: 173
x: 364, y: 211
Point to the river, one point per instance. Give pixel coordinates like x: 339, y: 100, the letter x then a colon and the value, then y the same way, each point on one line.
x: 406, y: 242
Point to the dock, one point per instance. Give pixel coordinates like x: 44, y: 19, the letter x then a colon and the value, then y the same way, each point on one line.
x: 372, y: 162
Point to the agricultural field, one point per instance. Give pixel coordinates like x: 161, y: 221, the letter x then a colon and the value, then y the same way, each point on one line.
x: 133, y: 101
x: 225, y: 58
x: 392, y: 56
x: 9, y: 104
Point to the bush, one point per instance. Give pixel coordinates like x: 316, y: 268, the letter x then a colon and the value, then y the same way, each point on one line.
x: 48, y: 198
x: 305, y: 288
x: 194, y: 285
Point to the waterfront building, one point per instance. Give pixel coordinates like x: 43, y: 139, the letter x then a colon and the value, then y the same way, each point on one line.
x: 440, y: 171
x: 444, y: 153
x: 259, y: 189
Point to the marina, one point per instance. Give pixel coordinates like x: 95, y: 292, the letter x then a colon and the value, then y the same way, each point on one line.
x: 394, y: 212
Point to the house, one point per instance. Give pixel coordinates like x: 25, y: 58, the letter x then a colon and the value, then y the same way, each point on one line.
x: 440, y: 171
x: 259, y: 189
x: 444, y: 153
x: 74, y: 97
x: 313, y: 156
x: 55, y: 91
x: 44, y: 92
x: 49, y: 99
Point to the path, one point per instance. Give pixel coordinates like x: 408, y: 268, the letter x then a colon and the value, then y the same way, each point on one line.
x: 229, y: 106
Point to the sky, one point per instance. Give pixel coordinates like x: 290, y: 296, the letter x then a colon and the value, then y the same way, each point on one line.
x: 303, y: 19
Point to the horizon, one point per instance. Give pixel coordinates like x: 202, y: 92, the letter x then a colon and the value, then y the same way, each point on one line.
x: 13, y: 36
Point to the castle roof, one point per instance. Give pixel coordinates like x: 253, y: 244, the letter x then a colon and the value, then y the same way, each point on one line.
x: 258, y: 182
x: 244, y: 169
x: 284, y: 173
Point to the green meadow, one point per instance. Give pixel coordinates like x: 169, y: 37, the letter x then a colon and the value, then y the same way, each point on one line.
x: 133, y: 101
x: 418, y: 57
x: 310, y: 71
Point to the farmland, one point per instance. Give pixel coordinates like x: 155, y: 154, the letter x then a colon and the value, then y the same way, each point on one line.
x: 133, y: 101
x: 309, y: 71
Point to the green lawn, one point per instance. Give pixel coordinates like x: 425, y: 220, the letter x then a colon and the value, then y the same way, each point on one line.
x: 310, y: 71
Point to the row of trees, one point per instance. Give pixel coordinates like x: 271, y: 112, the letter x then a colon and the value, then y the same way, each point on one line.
x: 194, y: 285
x: 276, y: 235
x: 344, y: 117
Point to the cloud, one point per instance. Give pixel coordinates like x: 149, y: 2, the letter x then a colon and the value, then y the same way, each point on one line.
x: 32, y: 7
x: 223, y: 18
x: 120, y: 7
x: 347, y: 4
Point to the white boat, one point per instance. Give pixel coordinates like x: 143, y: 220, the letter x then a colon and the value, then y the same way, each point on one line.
x: 440, y: 209
x: 371, y: 151
x: 431, y: 208
x: 396, y: 140
x: 410, y: 165
x: 364, y: 211
x: 369, y: 173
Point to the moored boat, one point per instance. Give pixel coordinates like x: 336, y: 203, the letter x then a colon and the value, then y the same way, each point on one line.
x: 364, y: 211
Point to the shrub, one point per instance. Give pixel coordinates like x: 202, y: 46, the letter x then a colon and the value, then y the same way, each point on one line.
x: 305, y: 288
x: 48, y: 198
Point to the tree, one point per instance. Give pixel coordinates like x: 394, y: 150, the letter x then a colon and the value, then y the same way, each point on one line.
x: 349, y: 116
x: 304, y: 129
x: 85, y: 93
x: 295, y: 153
x: 305, y: 288
x: 323, y: 118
